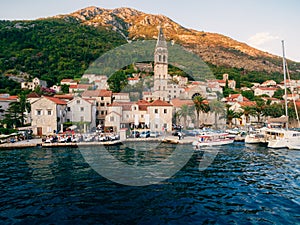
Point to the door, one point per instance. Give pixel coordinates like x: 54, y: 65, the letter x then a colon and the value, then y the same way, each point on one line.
x: 39, y: 131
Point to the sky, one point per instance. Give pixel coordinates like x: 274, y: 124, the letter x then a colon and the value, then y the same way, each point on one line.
x: 259, y: 23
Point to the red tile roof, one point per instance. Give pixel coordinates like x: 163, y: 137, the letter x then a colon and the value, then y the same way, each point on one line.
x: 70, y: 97
x: 67, y: 80
x: 159, y: 102
x: 7, y: 99
x: 33, y: 95
x: 176, y: 102
x: 249, y: 103
x: 133, y: 78
x: 125, y: 105
x: 56, y: 100
x: 97, y: 93
x: 143, y: 105
x: 73, y: 86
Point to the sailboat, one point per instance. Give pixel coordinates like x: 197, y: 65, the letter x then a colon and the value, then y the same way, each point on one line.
x: 282, y: 137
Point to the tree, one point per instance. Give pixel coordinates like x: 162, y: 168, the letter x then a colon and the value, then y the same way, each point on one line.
x: 15, y: 114
x: 65, y: 88
x: 248, y: 111
x: 230, y: 115
x: 184, y: 112
x: 280, y: 93
x: 201, y: 105
x: 259, y: 108
x: 117, y: 81
x: 12, y: 117
x: 24, y: 106
x: 248, y: 94
x: 218, y: 108
x: 274, y: 110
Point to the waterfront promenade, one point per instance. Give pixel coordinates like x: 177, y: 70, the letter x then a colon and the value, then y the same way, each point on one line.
x: 39, y: 143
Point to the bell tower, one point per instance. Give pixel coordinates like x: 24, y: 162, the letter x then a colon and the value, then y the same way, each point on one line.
x: 161, y: 76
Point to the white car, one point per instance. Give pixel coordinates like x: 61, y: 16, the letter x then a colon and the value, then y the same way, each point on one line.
x: 154, y: 134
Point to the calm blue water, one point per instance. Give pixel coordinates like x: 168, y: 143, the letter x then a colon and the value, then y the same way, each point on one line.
x: 244, y: 185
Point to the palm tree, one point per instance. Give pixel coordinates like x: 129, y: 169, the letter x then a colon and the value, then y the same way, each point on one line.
x: 201, y: 105
x: 230, y: 115
x: 248, y: 111
x: 218, y: 108
x: 259, y: 108
x: 184, y: 112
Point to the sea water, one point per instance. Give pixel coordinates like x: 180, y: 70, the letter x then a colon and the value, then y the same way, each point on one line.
x: 244, y: 184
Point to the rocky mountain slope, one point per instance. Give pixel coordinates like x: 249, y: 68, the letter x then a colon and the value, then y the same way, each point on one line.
x: 214, y: 48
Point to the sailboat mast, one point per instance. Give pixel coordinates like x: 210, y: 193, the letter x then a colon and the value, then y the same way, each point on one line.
x: 285, y: 88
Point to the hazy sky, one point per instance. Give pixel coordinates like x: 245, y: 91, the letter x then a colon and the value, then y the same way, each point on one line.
x: 259, y: 23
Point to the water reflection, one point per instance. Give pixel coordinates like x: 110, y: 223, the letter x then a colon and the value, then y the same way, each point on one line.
x: 40, y: 162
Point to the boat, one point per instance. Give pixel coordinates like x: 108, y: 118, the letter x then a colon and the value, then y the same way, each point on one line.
x: 212, y: 139
x: 283, y: 137
x: 256, y: 136
x: 294, y: 147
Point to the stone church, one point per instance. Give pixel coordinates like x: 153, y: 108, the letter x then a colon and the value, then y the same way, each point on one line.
x: 164, y: 88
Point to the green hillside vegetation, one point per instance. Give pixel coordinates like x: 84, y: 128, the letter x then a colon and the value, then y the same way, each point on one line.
x: 51, y: 49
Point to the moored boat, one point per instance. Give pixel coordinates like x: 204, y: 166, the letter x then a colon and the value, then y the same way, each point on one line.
x: 256, y: 136
x: 212, y: 139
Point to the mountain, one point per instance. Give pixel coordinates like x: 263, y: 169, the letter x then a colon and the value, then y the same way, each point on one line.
x: 213, y: 48
x: 64, y: 46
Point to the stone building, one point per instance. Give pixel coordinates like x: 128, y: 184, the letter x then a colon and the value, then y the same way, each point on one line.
x: 103, y: 98
x: 36, y: 82
x: 83, y: 111
x: 156, y: 116
x: 48, y: 115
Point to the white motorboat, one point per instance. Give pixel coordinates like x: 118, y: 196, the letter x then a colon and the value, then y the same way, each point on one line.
x: 256, y: 136
x: 281, y: 138
x: 212, y: 139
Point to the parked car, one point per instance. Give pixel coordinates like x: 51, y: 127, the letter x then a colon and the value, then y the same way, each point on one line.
x: 145, y: 134
x: 135, y: 133
x: 154, y: 134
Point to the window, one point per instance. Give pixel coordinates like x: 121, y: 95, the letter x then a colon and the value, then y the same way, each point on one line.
x: 38, y: 112
x: 102, y: 98
x: 112, y: 119
x: 156, y: 111
x: 49, y: 112
x: 81, y: 109
x: 78, y: 101
x: 165, y: 111
x: 102, y: 104
x: 69, y: 109
x: 102, y: 112
x: 81, y: 118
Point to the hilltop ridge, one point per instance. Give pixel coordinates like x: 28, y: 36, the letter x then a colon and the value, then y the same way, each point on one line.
x: 213, y: 48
